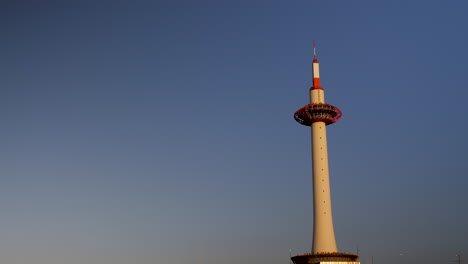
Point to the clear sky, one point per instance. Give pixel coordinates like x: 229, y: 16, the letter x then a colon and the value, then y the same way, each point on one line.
x: 163, y: 132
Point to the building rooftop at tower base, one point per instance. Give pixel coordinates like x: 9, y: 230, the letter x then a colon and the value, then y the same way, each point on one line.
x: 338, y: 262
x: 326, y: 258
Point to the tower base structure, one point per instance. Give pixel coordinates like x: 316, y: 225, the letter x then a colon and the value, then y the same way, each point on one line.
x: 326, y: 258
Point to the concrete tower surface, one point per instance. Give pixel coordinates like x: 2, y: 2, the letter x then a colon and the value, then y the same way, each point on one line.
x: 318, y: 115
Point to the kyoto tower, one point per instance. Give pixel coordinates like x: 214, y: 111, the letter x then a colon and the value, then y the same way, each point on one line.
x: 318, y: 115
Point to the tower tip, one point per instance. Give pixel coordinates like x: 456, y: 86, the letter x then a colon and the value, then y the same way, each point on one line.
x: 315, y: 51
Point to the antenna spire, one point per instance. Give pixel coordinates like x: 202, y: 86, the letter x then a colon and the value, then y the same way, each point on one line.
x: 315, y: 45
x: 315, y: 51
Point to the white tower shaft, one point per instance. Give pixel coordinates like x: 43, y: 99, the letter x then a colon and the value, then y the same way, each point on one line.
x: 324, y: 234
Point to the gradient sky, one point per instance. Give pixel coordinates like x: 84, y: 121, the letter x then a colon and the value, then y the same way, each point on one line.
x: 163, y: 132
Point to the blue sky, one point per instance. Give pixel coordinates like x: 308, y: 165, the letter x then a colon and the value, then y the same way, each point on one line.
x: 163, y: 131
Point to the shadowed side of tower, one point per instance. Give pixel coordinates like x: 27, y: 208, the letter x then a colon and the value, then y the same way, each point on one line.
x: 318, y: 114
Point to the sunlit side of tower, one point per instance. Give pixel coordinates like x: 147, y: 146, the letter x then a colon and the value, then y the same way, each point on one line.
x: 318, y: 115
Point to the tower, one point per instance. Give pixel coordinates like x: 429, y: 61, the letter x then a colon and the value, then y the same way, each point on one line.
x: 318, y: 115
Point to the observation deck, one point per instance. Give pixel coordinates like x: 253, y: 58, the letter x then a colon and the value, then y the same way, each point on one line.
x: 318, y: 112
